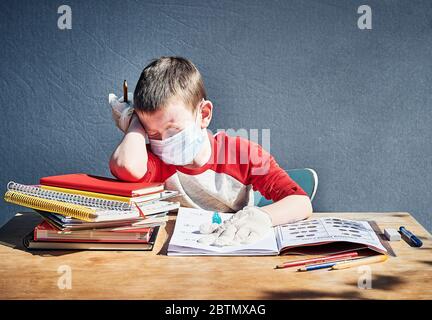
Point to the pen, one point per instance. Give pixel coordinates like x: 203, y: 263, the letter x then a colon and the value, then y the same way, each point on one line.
x: 411, y: 236
x: 125, y: 91
x: 359, y: 262
x: 317, y: 260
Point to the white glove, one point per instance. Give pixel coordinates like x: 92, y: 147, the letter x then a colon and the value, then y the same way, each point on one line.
x: 246, y: 226
x: 121, y: 111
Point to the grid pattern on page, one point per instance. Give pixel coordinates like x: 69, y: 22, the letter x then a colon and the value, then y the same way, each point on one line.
x: 328, y: 229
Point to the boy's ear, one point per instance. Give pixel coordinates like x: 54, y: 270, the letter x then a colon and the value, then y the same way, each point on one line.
x: 206, y: 113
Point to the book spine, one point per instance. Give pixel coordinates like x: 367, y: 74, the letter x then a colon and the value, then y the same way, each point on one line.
x: 143, y: 241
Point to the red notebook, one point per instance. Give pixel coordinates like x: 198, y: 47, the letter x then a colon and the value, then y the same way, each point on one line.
x: 87, y: 182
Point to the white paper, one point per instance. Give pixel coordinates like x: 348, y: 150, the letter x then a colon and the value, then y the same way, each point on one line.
x: 149, y: 209
x: 184, y: 240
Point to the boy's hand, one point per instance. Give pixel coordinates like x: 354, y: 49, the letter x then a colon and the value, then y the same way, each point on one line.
x: 246, y: 226
x: 121, y: 111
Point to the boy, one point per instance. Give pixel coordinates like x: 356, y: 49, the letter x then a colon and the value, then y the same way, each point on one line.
x: 217, y: 173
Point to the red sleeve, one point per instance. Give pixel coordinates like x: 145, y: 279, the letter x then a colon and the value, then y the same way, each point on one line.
x: 157, y: 170
x: 267, y: 177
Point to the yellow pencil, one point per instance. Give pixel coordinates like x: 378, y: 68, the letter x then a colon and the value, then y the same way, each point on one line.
x: 359, y: 262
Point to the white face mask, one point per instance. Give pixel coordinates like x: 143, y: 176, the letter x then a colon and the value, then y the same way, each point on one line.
x: 181, y: 148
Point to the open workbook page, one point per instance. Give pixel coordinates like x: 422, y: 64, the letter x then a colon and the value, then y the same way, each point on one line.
x: 184, y: 240
x: 344, y: 235
x: 325, y: 230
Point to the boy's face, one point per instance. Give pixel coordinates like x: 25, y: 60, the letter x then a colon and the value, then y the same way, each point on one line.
x: 174, y: 117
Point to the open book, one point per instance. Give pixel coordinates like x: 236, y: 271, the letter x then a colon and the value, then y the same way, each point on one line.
x: 305, y: 237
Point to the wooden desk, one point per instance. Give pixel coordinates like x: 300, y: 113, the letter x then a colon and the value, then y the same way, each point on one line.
x: 154, y: 275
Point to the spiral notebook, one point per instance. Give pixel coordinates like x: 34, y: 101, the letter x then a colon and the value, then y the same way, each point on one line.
x: 36, y: 191
x: 84, y: 200
x: 75, y: 206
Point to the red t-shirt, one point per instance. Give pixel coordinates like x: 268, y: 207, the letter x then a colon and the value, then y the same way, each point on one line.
x: 225, y: 183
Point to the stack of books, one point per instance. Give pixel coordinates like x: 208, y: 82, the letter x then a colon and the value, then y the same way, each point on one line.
x: 82, y: 211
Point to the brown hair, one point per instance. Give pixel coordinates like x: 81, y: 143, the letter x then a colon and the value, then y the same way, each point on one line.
x: 165, y: 78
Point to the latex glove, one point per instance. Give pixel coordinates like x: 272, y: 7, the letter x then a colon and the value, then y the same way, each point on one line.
x: 246, y: 226
x: 121, y: 111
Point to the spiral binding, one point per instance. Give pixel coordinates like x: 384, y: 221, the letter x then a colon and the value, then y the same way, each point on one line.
x: 82, y: 200
x: 67, y: 209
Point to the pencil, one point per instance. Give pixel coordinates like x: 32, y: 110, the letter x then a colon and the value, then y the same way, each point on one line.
x: 303, y: 262
x: 317, y: 266
x: 125, y: 91
x: 359, y: 262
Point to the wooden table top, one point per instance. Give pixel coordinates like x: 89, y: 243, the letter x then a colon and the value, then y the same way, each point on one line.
x: 154, y: 275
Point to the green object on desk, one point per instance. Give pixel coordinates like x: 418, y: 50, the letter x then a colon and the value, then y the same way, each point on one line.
x: 306, y: 178
x: 216, y: 218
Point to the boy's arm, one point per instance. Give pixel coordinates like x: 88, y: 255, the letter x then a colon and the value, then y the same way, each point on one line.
x: 129, y: 160
x: 289, y: 209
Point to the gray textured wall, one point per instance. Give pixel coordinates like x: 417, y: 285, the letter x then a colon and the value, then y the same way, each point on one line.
x: 355, y: 105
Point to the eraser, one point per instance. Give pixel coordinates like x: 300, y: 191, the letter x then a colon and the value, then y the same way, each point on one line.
x: 392, y: 234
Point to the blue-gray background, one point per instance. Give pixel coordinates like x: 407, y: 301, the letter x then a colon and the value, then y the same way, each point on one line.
x: 353, y: 104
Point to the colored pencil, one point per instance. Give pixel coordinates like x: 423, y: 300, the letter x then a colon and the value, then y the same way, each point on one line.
x: 317, y: 260
x: 317, y: 266
x: 359, y: 262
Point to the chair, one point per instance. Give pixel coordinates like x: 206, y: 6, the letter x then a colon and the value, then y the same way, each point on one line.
x: 306, y: 178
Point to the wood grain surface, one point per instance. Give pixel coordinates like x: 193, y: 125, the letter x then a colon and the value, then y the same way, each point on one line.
x: 154, y: 275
